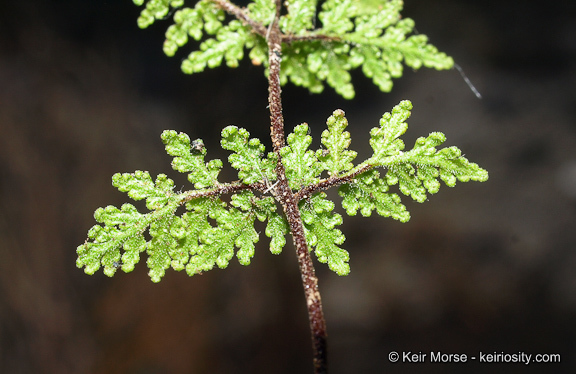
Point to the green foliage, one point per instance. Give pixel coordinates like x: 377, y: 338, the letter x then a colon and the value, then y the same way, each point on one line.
x: 201, y: 175
x: 368, y: 192
x: 155, y: 9
x: 367, y: 34
x: 319, y: 227
x: 197, y: 230
x: 336, y: 158
x: 125, y: 227
x: 353, y: 33
x: 205, y: 235
x: 247, y: 156
x: 302, y: 167
x: 417, y: 171
x: 206, y: 226
x: 210, y: 231
x: 299, y: 18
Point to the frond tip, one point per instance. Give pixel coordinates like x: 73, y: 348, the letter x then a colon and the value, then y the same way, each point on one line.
x: 417, y: 171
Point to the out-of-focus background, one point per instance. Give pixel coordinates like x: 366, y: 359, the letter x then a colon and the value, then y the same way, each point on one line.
x: 484, y: 267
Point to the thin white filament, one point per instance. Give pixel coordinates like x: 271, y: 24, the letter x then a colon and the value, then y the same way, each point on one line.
x: 470, y: 85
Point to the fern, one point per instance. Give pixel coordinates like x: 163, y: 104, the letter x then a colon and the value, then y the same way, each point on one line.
x: 198, y: 229
x: 352, y: 34
x: 416, y: 172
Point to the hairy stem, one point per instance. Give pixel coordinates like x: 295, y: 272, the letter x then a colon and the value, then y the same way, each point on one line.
x: 241, y: 15
x: 282, y: 191
x: 289, y: 202
x: 325, y: 184
x: 222, y: 189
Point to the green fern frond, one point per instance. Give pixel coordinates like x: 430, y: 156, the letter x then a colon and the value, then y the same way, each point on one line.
x: 189, y: 157
x: 295, y: 69
x: 191, y: 22
x: 139, y: 186
x: 163, y: 248
x: 123, y: 228
x: 211, y: 231
x: 300, y: 16
x: 262, y: 11
x: 368, y: 34
x: 302, y: 167
x: 384, y: 140
x: 277, y: 229
x: 235, y: 229
x: 353, y: 33
x: 155, y: 10
x: 337, y: 17
x: 336, y: 158
x: 228, y: 45
x: 416, y: 172
x: 321, y: 234
x: 368, y: 192
x: 247, y: 156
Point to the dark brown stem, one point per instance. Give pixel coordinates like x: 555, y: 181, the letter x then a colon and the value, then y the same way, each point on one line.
x: 223, y: 189
x: 309, y: 37
x: 241, y: 15
x: 327, y: 183
x: 282, y: 192
x: 289, y: 202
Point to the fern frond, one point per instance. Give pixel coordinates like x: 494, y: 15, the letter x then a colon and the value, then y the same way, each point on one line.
x: 302, y: 166
x: 247, y: 156
x: 155, y: 10
x: 336, y: 159
x: 369, y: 192
x: 189, y: 157
x: 356, y: 33
x: 321, y: 234
x: 211, y: 231
x: 353, y: 33
x: 417, y: 171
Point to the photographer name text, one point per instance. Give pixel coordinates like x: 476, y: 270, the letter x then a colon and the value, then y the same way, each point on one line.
x: 482, y: 357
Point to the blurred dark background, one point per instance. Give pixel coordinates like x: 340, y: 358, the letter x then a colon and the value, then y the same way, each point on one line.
x: 484, y: 267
